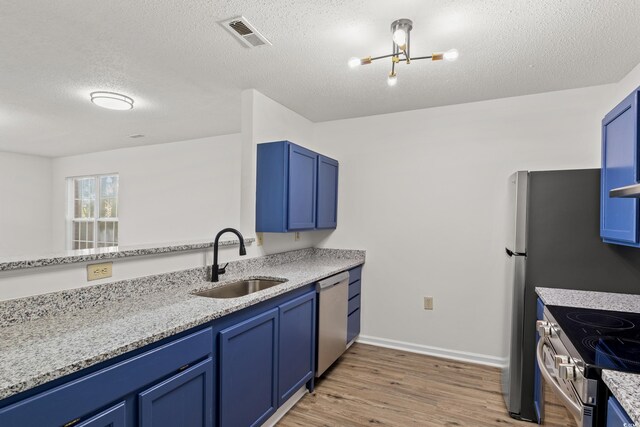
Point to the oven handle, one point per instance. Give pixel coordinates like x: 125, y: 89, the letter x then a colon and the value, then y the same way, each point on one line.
x: 573, y: 407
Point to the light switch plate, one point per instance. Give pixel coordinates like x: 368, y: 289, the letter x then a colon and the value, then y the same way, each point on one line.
x: 99, y: 271
x: 428, y: 303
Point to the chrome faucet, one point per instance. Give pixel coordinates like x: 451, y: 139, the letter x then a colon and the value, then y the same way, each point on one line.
x: 216, y: 271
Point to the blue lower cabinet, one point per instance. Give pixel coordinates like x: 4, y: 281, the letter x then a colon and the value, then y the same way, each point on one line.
x: 296, y: 345
x: 353, y: 305
x: 82, y: 397
x: 616, y: 415
x: 115, y: 416
x: 184, y: 400
x: 248, y: 371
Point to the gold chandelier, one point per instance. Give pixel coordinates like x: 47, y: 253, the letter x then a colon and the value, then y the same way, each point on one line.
x: 401, y: 34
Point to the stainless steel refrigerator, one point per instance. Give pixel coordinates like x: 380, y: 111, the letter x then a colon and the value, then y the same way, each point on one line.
x: 554, y: 241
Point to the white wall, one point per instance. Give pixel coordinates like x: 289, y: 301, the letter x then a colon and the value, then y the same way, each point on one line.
x: 169, y: 192
x: 182, y: 191
x: 25, y: 204
x: 424, y: 192
x: 620, y: 90
x: 264, y: 120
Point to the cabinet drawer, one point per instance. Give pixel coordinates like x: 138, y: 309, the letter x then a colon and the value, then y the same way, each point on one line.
x: 354, y: 304
x: 88, y: 394
x: 355, y: 274
x: 353, y: 325
x: 354, y: 289
x: 116, y: 416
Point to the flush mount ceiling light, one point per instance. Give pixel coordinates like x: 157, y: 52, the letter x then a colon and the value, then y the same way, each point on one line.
x: 111, y: 100
x: 401, y: 35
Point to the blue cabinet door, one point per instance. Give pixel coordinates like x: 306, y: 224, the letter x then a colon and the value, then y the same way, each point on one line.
x: 619, y: 216
x: 297, y: 345
x: 616, y: 415
x: 184, y: 400
x: 327, y: 209
x: 248, y: 371
x: 272, y: 187
x: 112, y: 417
x: 303, y: 165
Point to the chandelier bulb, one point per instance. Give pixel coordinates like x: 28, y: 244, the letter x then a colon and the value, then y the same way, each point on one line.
x: 400, y: 37
x: 392, y: 79
x: 354, y: 62
x: 451, y: 55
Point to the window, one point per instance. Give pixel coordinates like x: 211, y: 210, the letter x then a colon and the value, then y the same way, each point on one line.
x: 92, y: 211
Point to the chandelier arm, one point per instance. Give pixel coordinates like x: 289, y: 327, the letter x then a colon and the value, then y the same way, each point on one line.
x: 407, y: 51
x: 393, y: 63
x: 383, y: 56
x: 422, y: 57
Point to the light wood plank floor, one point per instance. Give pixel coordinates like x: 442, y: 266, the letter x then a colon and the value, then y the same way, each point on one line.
x: 378, y: 386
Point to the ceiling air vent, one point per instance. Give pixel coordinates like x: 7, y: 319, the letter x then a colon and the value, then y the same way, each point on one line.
x: 245, y: 32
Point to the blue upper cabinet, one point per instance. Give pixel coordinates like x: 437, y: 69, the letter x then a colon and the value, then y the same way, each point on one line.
x: 327, y: 216
x: 619, y: 216
x: 296, y: 189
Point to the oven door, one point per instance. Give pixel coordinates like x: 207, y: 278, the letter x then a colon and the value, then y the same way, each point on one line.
x: 561, y: 388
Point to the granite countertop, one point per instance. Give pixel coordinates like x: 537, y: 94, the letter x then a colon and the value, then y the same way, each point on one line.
x: 626, y: 388
x: 71, y: 333
x: 88, y: 255
x: 590, y: 299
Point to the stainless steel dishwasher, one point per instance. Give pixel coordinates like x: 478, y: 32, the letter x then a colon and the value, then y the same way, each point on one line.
x: 333, y: 295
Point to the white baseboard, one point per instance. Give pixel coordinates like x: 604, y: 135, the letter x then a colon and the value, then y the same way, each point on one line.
x: 461, y: 356
x: 290, y: 403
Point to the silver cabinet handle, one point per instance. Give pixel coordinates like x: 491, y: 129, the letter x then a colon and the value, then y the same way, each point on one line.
x: 573, y: 407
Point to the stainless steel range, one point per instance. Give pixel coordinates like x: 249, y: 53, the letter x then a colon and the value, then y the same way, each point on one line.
x: 575, y: 345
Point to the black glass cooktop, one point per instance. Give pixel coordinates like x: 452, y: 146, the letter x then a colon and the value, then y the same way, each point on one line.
x: 604, y: 339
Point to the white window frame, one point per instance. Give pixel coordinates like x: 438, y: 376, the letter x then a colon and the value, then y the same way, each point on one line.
x: 71, y: 220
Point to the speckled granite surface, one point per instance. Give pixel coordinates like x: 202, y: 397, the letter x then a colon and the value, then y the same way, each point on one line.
x: 626, y: 388
x: 104, y: 321
x: 87, y: 255
x: 588, y: 299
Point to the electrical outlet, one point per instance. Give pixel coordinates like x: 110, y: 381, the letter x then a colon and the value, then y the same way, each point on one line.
x: 296, y: 236
x: 99, y: 271
x: 428, y: 303
x: 259, y: 239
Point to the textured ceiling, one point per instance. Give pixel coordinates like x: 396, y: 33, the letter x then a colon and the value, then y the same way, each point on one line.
x: 186, y: 72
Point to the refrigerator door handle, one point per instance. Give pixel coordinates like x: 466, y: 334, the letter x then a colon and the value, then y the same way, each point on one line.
x: 511, y: 253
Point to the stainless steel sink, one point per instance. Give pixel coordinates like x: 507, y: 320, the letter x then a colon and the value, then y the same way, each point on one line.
x: 240, y: 288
